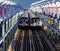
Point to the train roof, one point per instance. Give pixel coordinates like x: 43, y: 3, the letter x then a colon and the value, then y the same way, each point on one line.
x: 25, y: 15
x: 33, y: 16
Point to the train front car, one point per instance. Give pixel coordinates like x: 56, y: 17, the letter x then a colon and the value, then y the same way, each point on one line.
x: 34, y: 19
x: 24, y: 19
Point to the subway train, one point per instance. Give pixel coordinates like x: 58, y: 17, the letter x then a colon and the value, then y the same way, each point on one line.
x: 29, y: 19
x: 35, y: 20
x: 23, y: 21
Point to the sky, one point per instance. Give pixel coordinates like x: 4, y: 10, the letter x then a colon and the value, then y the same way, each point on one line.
x: 25, y: 3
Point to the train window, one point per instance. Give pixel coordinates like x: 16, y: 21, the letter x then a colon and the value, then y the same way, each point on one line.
x: 20, y: 21
x: 0, y: 30
x: 26, y: 20
x: 37, y: 19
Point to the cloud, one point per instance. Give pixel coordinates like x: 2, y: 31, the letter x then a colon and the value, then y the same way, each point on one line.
x: 8, y: 2
x: 37, y: 2
x: 1, y: 1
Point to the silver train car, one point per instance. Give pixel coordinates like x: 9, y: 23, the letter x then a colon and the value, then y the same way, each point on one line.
x: 24, y: 19
x: 35, y: 20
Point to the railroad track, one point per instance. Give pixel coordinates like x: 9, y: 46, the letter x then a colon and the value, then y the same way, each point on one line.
x: 33, y: 40
x: 26, y: 46
x: 45, y: 42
